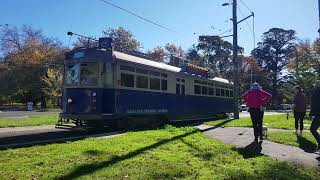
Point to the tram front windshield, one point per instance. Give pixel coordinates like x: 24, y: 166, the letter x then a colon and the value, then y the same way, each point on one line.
x: 86, y: 74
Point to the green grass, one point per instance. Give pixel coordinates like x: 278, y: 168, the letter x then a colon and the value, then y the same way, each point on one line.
x: 306, y: 141
x: 170, y: 153
x: 274, y: 121
x: 34, y: 120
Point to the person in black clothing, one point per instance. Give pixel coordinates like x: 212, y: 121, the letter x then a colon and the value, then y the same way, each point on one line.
x: 299, y: 108
x: 315, y: 111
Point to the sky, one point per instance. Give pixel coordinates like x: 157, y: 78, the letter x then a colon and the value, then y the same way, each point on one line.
x: 188, y: 18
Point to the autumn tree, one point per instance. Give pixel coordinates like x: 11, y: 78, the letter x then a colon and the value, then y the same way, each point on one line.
x: 163, y: 54
x: 28, y: 54
x: 273, y: 55
x: 157, y: 54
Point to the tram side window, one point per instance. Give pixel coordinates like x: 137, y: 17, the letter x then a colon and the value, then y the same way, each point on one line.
x: 197, y: 89
x: 155, y: 83
x: 231, y: 93
x: 227, y: 93
x: 164, y: 84
x: 223, y: 92
x: 218, y: 92
x: 211, y: 91
x: 183, y: 89
x: 204, y: 90
x: 177, y: 88
x: 142, y: 82
x: 127, y: 80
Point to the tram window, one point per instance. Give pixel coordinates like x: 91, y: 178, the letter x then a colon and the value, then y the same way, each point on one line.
x: 223, y: 92
x: 197, y: 81
x: 177, y: 88
x: 155, y: 83
x: 231, y: 93
x: 164, y: 75
x: 204, y: 83
x: 89, y: 74
x: 210, y: 91
x: 72, y: 74
x: 127, y: 80
x: 127, y: 68
x: 178, y: 79
x: 164, y: 84
x: 197, y: 89
x: 227, y: 93
x: 210, y: 84
x: 183, y: 80
x: 154, y: 73
x: 218, y: 92
x: 142, y: 82
x: 204, y: 90
x: 183, y: 89
x: 142, y: 71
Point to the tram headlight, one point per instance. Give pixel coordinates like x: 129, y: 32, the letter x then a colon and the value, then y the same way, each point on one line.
x: 94, y: 94
x: 69, y: 100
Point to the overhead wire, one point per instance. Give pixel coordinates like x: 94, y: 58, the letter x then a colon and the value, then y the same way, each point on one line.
x: 251, y: 29
x: 246, y: 6
x: 140, y: 17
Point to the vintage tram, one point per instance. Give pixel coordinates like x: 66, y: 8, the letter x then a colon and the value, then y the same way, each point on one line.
x: 107, y: 87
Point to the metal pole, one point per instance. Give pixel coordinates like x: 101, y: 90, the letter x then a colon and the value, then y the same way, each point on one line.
x: 319, y: 16
x: 235, y: 60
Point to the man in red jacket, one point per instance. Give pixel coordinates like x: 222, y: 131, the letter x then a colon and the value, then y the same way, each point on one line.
x: 255, y: 99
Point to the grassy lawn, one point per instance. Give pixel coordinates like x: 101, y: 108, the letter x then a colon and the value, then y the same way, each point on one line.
x: 274, y: 121
x: 169, y: 153
x: 34, y: 120
x: 305, y: 142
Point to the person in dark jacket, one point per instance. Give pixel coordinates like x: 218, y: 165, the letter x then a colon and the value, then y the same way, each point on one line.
x: 315, y: 111
x: 299, y: 108
x: 255, y: 99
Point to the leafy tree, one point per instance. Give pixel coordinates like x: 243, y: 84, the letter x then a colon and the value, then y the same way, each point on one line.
x: 163, y: 54
x: 123, y: 40
x: 195, y: 57
x: 28, y: 53
x: 273, y: 53
x: 52, y: 82
x: 217, y: 53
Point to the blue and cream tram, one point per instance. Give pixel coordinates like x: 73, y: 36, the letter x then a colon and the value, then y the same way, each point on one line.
x: 106, y: 86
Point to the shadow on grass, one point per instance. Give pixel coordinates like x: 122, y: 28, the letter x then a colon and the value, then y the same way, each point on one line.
x: 91, y: 168
x: 306, y: 145
x: 250, y: 151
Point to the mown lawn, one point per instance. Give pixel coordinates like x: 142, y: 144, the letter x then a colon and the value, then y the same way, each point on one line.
x: 169, y: 153
x: 306, y: 142
x: 34, y: 120
x: 273, y: 121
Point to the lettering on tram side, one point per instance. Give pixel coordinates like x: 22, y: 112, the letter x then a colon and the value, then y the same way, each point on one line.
x: 134, y: 111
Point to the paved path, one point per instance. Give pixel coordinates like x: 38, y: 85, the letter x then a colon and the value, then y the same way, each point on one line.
x: 247, y: 114
x: 8, y: 114
x: 243, y: 138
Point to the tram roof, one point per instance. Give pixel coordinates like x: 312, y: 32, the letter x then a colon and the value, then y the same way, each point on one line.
x: 138, y: 60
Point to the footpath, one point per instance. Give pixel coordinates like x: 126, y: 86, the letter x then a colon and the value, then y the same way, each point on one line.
x: 243, y: 138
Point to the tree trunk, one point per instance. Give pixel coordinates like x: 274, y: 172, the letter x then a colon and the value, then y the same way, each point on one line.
x: 43, y: 101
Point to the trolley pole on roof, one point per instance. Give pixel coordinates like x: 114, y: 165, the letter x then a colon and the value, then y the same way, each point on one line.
x: 235, y: 61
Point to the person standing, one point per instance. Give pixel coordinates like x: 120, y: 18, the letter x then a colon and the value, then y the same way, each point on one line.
x: 299, y: 108
x: 255, y: 99
x: 315, y: 111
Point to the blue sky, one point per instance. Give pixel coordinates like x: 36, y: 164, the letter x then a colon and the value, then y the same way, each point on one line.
x: 189, y: 17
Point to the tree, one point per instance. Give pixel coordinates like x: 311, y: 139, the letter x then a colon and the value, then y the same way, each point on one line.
x: 272, y: 55
x: 123, y: 40
x: 195, y: 57
x: 217, y: 53
x: 85, y: 42
x: 163, y: 54
x: 28, y: 53
x: 52, y: 81
x: 157, y: 54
